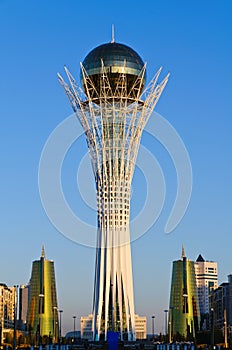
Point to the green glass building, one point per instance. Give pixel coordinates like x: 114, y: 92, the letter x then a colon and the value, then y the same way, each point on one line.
x: 42, y: 316
x: 184, y: 315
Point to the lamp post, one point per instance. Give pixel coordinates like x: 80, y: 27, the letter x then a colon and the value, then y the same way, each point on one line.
x: 15, y: 314
x: 185, y: 296
x: 153, y: 326
x: 212, y: 327
x: 41, y: 296
x: 170, y: 323
x: 60, y: 311
x: 225, y: 330
x: 74, y: 328
x: 166, y: 324
x: 54, y: 323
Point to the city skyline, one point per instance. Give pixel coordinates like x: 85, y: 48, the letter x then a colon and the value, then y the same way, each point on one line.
x: 25, y: 307
x: 194, y: 45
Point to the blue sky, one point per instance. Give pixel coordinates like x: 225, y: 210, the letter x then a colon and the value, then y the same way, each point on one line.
x: 192, y: 40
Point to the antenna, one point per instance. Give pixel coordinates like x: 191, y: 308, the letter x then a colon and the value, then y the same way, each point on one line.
x: 112, y: 39
x: 183, y: 253
x: 43, y: 252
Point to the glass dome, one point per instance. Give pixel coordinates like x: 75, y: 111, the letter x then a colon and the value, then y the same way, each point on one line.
x: 117, y: 58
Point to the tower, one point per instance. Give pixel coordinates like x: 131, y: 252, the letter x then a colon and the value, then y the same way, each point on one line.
x: 23, y: 306
x: 113, y: 109
x: 184, y: 306
x: 42, y: 315
x: 207, y: 280
x: 8, y: 303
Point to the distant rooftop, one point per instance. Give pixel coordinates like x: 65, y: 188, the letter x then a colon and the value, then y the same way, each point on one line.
x: 200, y: 258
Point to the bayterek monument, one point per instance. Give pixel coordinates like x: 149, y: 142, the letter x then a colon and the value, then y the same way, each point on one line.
x: 113, y: 107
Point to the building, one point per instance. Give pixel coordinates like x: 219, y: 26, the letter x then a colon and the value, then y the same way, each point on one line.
x: 207, y: 279
x: 23, y: 306
x: 42, y: 315
x: 86, y: 327
x: 184, y: 314
x: 221, y: 305
x: 8, y: 304
x: 87, y: 331
x: 229, y: 313
x: 140, y: 327
x: 113, y: 111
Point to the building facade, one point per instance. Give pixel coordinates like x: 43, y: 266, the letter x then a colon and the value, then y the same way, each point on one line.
x: 207, y: 280
x: 87, y: 329
x: 8, y: 304
x: 229, y: 313
x: 42, y: 315
x: 113, y: 112
x: 184, y: 314
x: 221, y: 305
x: 8, y: 310
x: 23, y: 306
x: 140, y: 327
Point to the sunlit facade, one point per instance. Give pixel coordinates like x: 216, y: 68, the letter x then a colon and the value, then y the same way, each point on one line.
x: 7, y: 306
x: 207, y: 280
x: 113, y: 109
x: 42, y: 316
x: 140, y: 327
x: 87, y: 327
x: 23, y: 306
x: 221, y: 305
x: 184, y: 315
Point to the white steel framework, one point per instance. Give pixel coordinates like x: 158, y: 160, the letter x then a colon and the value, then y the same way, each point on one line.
x: 113, y: 122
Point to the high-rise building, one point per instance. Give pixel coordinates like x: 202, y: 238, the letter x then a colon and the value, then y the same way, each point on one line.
x: 23, y: 306
x: 42, y: 316
x: 7, y: 305
x: 221, y: 305
x: 184, y: 315
x: 8, y: 310
x: 207, y: 279
x: 113, y: 111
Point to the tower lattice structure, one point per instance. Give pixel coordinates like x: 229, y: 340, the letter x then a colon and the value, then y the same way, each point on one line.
x: 113, y: 110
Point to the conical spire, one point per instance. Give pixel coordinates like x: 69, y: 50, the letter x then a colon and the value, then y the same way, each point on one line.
x: 43, y: 252
x: 183, y: 253
x: 200, y: 258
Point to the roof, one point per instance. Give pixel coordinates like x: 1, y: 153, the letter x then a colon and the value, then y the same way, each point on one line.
x: 200, y: 258
x: 113, y: 54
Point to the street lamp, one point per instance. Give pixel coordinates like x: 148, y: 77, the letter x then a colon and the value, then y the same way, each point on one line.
x: 212, y: 327
x: 74, y: 328
x: 41, y: 296
x: 225, y: 330
x: 185, y: 296
x: 166, y: 324
x: 15, y: 314
x: 153, y: 326
x: 54, y: 323
x: 60, y: 311
x: 170, y: 323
